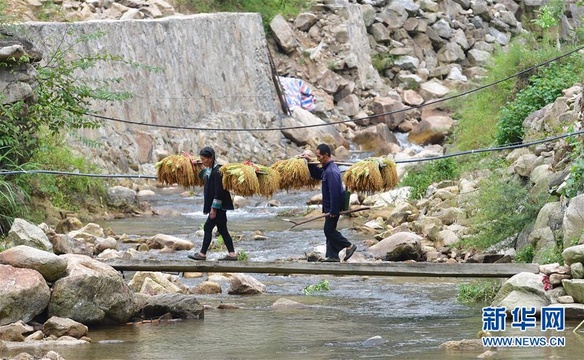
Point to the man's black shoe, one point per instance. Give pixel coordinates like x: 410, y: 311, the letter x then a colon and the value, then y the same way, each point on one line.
x: 350, y: 252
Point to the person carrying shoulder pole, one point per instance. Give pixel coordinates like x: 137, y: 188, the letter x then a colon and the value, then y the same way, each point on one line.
x: 332, y: 200
x: 216, y: 202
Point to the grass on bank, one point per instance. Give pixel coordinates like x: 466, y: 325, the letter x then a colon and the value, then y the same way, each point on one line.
x: 268, y: 9
x: 503, y: 207
x: 422, y: 176
x: 64, y: 192
x: 29, y: 199
x: 483, y: 112
x: 478, y: 291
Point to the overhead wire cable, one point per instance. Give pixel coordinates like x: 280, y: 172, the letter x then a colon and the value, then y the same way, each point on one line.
x: 403, y: 161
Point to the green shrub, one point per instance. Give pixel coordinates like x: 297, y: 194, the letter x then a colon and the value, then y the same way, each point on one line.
x: 322, y: 285
x: 525, y: 254
x: 574, y: 184
x: 551, y: 254
x: 63, y: 191
x: 549, y: 14
x: 543, y: 88
x: 479, y: 112
x: 12, y: 197
x: 11, y: 204
x: 502, y: 208
x: 428, y: 173
x: 242, y: 255
x: 382, y: 61
x: 478, y: 291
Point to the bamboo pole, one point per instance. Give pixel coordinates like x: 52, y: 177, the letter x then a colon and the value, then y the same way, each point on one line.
x: 323, y: 215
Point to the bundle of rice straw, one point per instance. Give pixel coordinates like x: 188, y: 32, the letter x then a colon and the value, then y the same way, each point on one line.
x: 294, y: 174
x: 388, y: 170
x: 269, y: 180
x: 179, y: 169
x: 371, y: 175
x: 241, y: 178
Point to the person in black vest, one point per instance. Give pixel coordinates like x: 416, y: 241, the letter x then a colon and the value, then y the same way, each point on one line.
x: 216, y: 202
x: 332, y: 199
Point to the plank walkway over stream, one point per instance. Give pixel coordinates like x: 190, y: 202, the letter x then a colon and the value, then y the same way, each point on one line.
x: 462, y: 270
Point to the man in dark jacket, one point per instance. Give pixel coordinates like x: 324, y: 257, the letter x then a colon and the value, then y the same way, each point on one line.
x: 216, y: 201
x: 332, y: 200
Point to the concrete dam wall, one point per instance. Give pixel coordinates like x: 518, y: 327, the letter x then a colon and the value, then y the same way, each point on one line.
x: 214, y: 73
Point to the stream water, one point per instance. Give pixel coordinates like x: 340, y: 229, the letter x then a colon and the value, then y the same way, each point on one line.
x: 359, y: 317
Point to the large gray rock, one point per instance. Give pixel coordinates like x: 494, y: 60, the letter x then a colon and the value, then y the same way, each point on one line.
x: 366, y: 77
x: 573, y: 220
x: 121, y: 197
x: 160, y: 241
x: 574, y: 288
x: 431, y: 130
x: 283, y: 33
x: 573, y: 254
x: 24, y: 233
x: 398, y: 247
x: 49, y: 265
x: 311, y: 135
x: 433, y: 89
x: 168, y: 283
x: 177, y: 305
x: 91, y: 293
x: 242, y: 284
x: 550, y: 215
x: 577, y: 270
x: 389, y: 110
x: 376, y: 138
x: 304, y: 21
x: 64, y: 327
x: 24, y: 294
x: 523, y: 289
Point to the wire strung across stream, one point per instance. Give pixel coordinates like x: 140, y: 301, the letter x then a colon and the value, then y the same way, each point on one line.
x: 433, y: 158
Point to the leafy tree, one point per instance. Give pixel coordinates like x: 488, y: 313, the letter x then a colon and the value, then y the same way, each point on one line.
x: 61, y: 99
x: 61, y: 102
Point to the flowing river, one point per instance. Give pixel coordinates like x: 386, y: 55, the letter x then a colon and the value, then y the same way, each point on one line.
x: 359, y: 317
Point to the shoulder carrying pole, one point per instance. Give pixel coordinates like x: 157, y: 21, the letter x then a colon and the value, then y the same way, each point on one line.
x: 323, y: 215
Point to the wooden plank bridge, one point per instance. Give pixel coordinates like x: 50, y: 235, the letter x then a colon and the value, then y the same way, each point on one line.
x: 461, y: 270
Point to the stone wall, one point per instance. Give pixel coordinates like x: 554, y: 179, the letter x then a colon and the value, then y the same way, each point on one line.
x: 215, y: 74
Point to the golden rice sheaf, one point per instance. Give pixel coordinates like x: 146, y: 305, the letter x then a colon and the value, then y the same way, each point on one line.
x: 293, y: 173
x: 178, y: 169
x: 364, y: 176
x: 240, y: 179
x: 389, y: 174
x: 269, y: 181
